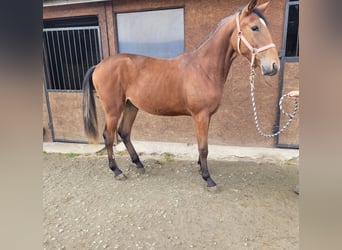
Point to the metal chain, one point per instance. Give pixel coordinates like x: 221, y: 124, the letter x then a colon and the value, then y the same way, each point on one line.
x: 256, y: 120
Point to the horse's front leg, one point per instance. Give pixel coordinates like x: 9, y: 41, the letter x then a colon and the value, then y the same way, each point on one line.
x: 201, y: 122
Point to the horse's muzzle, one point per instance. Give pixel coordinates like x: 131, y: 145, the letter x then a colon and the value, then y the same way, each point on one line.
x: 270, y: 70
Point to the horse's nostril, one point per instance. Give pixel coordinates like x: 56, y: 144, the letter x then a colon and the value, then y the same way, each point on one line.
x: 275, y: 67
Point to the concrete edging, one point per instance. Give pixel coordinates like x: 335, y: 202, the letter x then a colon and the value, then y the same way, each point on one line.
x: 181, y: 150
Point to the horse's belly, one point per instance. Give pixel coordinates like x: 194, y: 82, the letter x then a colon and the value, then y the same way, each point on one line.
x: 160, y: 106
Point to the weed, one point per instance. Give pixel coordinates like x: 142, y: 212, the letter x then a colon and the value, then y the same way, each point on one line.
x: 71, y: 155
x: 168, y: 157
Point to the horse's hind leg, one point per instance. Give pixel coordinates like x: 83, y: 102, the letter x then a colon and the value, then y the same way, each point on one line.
x: 129, y: 114
x: 108, y: 135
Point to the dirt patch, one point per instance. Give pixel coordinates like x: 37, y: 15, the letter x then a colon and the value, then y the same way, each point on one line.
x: 168, y: 207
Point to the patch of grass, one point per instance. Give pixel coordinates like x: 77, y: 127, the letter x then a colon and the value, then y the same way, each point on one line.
x: 71, y: 155
x: 292, y: 161
x: 168, y: 157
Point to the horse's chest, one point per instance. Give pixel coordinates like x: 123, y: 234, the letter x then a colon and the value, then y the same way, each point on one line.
x: 204, y: 99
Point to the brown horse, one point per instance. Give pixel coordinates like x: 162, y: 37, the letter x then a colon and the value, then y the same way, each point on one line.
x: 189, y: 84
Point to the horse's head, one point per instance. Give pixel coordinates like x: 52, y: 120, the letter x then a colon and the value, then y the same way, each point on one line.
x: 254, y: 40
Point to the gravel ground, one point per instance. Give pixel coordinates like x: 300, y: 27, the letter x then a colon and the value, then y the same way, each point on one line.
x: 168, y: 207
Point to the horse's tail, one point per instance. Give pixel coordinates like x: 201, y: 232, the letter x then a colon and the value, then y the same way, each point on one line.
x: 89, y: 108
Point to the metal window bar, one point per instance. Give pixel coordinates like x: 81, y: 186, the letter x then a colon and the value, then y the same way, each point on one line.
x: 65, y: 58
x: 76, y: 56
x: 80, y: 50
x: 60, y: 61
x: 297, y: 47
x: 55, y: 57
x: 70, y: 52
x: 72, y: 65
x: 91, y: 48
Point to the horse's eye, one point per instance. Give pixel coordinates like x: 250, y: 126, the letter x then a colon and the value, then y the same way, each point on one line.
x: 255, y: 28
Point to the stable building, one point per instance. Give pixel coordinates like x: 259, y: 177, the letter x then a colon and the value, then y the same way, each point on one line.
x: 77, y: 34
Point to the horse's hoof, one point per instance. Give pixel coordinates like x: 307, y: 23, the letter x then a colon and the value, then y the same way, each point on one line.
x: 213, y: 189
x: 140, y: 170
x: 121, y: 177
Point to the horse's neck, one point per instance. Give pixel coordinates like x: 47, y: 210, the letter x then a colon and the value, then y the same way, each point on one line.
x: 216, y: 53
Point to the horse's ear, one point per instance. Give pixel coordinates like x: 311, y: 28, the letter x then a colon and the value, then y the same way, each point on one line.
x: 264, y: 6
x: 249, y: 8
x: 252, y: 5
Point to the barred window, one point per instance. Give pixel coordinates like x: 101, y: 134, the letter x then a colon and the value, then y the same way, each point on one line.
x: 71, y: 46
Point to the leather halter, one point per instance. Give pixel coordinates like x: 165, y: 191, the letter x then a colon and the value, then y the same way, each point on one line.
x: 240, y: 35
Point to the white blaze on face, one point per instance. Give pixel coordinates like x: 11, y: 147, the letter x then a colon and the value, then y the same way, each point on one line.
x: 262, y: 21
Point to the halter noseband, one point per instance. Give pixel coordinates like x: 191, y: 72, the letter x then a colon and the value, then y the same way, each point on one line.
x: 254, y: 51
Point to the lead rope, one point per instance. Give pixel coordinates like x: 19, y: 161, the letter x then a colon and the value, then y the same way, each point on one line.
x: 289, y: 115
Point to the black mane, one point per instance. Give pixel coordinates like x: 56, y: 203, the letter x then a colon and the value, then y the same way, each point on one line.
x: 260, y: 14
